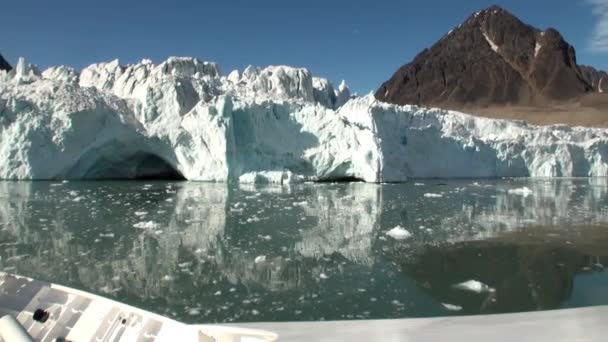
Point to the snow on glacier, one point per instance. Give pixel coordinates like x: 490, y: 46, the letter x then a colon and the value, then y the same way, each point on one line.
x: 261, y: 125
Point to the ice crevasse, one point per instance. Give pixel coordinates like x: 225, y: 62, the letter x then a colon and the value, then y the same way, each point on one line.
x: 183, y: 118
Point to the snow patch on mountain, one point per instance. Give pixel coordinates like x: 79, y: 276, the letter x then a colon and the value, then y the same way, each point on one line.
x: 183, y: 118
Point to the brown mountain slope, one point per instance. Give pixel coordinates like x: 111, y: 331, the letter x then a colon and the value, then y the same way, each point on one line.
x: 596, y: 78
x: 492, y: 59
x: 4, y: 64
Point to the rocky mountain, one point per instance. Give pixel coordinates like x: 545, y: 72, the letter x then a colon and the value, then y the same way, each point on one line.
x: 492, y: 58
x: 596, y: 78
x: 4, y: 64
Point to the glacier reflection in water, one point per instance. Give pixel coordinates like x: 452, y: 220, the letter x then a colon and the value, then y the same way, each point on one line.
x: 222, y: 253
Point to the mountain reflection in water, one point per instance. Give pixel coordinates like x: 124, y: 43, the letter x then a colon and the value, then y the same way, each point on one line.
x: 224, y: 253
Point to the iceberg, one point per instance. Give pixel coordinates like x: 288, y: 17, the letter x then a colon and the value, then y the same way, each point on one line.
x: 184, y: 119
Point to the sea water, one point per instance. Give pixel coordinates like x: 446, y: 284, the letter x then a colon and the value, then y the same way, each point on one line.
x: 203, y: 253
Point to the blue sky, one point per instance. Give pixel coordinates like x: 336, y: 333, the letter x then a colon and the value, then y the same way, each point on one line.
x: 361, y: 41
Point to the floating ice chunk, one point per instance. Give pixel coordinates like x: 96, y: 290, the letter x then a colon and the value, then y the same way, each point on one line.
x: 399, y: 233
x: 452, y: 307
x: 167, y: 278
x: 525, y: 191
x: 194, y: 311
x: 253, y: 219
x: 141, y: 213
x: 474, y: 286
x: 418, y: 184
x: 323, y: 276
x: 260, y: 259
x: 146, y: 225
x: 430, y: 195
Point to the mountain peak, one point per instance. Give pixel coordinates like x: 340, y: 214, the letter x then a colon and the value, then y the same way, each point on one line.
x: 4, y: 64
x: 492, y: 58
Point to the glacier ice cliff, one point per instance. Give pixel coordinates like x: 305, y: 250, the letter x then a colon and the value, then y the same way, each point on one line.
x: 183, y: 119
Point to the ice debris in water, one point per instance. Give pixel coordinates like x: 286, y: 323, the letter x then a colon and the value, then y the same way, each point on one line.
x: 452, y: 307
x: 194, y: 311
x: 260, y: 259
x: 430, y: 195
x: 474, y: 286
x: 525, y: 191
x: 147, y: 225
x: 399, y: 233
x: 140, y: 213
x: 323, y: 276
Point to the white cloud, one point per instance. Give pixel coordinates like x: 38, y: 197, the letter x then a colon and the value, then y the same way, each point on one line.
x: 599, y: 40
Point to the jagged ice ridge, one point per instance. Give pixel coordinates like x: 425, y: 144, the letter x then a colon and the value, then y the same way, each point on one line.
x: 273, y: 125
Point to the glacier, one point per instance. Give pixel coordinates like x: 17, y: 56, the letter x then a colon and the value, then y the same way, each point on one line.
x: 184, y: 119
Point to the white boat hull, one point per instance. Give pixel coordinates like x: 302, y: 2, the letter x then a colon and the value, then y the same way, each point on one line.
x: 80, y: 316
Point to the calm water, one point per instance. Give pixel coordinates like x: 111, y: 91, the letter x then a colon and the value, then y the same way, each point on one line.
x: 228, y: 253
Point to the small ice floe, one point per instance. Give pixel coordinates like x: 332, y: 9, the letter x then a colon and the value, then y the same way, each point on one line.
x: 108, y: 235
x: 109, y: 290
x: 141, y: 213
x: 78, y: 199
x: 259, y: 259
x: 323, y: 276
x: 194, y: 311
x: 146, y: 225
x: 451, y: 307
x: 167, y: 278
x: 300, y: 204
x: 399, y: 233
x: 418, y: 184
x: 525, y: 191
x: 474, y: 286
x: 431, y: 195
x: 218, y: 293
x: 253, y: 219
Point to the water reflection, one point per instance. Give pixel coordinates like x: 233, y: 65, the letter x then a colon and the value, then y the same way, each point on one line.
x: 217, y: 252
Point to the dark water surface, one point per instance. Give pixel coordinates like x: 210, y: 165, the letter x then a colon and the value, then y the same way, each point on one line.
x: 203, y: 252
